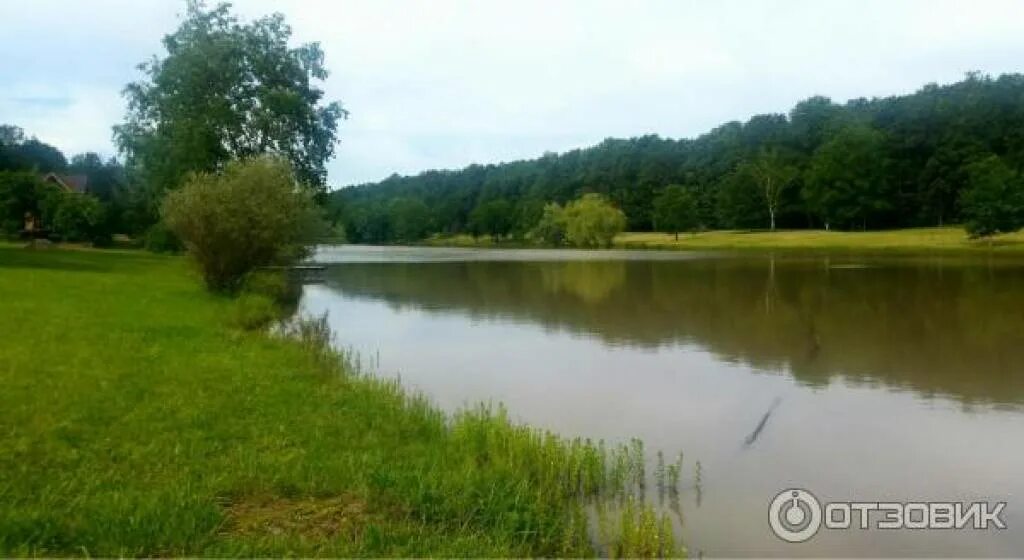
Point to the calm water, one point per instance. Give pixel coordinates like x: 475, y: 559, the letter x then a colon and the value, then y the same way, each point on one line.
x: 857, y: 379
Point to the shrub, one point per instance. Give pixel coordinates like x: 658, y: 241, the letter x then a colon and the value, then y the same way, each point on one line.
x: 274, y: 284
x: 254, y: 311
x: 77, y: 217
x: 592, y: 222
x: 251, y: 214
x: 159, y: 239
x: 551, y: 227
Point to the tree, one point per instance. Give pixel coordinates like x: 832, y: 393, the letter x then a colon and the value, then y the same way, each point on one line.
x: 675, y: 210
x: 773, y: 175
x: 868, y: 163
x: 254, y: 213
x: 408, y: 219
x: 494, y: 217
x: 227, y: 90
x: 994, y: 200
x: 21, y: 193
x: 77, y: 217
x: 11, y: 135
x: 592, y: 222
x: 20, y: 154
x: 847, y: 178
x: 550, y: 229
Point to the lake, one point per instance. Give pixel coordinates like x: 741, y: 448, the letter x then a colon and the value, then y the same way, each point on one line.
x: 882, y: 379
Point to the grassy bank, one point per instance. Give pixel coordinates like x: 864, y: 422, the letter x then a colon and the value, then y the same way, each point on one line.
x: 917, y: 240
x: 137, y: 422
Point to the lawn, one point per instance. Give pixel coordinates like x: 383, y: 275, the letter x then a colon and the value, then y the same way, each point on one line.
x: 944, y: 239
x: 136, y: 422
x: 916, y: 240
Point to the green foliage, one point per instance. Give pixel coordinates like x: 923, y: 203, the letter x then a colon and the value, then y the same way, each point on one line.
x: 675, y: 210
x: 20, y: 154
x: 494, y: 217
x: 254, y: 311
x: 882, y: 163
x: 159, y: 239
x: 592, y: 222
x: 77, y: 217
x: 228, y: 90
x: 848, y: 179
x: 269, y: 445
x: 773, y: 175
x: 252, y: 214
x: 994, y: 200
x: 20, y: 193
x: 408, y: 219
x: 274, y: 284
x: 738, y: 205
x: 551, y: 227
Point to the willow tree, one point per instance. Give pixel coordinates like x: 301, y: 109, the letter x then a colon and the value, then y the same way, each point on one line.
x: 228, y: 90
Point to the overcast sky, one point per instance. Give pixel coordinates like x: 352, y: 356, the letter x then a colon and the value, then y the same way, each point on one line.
x: 443, y: 84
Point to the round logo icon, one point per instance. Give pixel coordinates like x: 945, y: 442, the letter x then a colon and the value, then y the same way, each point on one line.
x: 795, y: 515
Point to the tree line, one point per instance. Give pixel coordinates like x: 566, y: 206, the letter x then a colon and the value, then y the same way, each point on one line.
x: 942, y: 155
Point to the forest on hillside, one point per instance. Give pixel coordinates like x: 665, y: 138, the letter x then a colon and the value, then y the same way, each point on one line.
x: 892, y: 162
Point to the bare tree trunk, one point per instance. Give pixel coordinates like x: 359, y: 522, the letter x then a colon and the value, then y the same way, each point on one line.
x: 771, y: 212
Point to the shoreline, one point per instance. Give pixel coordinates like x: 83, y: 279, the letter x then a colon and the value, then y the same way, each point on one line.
x: 917, y: 241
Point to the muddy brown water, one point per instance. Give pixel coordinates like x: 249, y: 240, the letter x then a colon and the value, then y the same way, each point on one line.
x: 871, y: 379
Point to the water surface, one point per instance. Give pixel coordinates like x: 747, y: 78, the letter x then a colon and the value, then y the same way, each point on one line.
x: 869, y: 379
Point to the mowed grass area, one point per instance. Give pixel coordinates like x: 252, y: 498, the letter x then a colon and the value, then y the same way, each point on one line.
x: 135, y: 422
x: 917, y: 240
x: 944, y: 239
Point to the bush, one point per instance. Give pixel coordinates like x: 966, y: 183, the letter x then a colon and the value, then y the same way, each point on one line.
x: 254, y: 311
x: 252, y: 214
x: 159, y: 239
x: 592, y: 222
x: 77, y: 217
x: 274, y: 284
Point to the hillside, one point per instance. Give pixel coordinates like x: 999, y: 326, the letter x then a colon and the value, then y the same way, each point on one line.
x: 891, y: 162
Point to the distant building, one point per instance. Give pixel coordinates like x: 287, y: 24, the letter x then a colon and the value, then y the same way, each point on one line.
x: 70, y: 183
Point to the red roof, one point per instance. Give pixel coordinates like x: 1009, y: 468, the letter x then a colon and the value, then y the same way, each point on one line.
x: 70, y: 183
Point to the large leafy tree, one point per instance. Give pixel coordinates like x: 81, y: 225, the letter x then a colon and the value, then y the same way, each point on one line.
x: 675, y: 210
x: 227, y: 90
x: 994, y: 200
x: 848, y: 180
x: 494, y: 217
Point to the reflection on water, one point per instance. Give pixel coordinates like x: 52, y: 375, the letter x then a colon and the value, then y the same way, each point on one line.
x: 956, y: 330
x: 885, y: 379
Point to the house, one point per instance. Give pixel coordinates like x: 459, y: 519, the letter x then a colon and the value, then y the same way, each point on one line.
x: 69, y: 183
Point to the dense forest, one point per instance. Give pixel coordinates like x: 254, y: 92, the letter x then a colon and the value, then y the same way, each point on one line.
x: 891, y: 162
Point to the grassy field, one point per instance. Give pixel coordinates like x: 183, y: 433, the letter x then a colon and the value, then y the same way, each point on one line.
x: 918, y: 240
x: 911, y: 240
x: 136, y: 422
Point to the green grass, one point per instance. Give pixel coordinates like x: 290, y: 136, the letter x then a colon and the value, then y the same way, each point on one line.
x: 944, y: 239
x: 135, y: 421
x: 917, y: 240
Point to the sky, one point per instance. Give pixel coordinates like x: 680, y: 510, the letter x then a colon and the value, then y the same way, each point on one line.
x: 443, y: 83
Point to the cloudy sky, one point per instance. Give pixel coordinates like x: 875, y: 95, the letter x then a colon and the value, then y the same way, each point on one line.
x: 442, y: 84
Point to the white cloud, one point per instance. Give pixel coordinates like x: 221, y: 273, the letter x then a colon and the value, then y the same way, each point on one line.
x: 446, y: 83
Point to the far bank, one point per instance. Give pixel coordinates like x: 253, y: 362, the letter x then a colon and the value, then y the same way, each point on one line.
x: 917, y: 240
